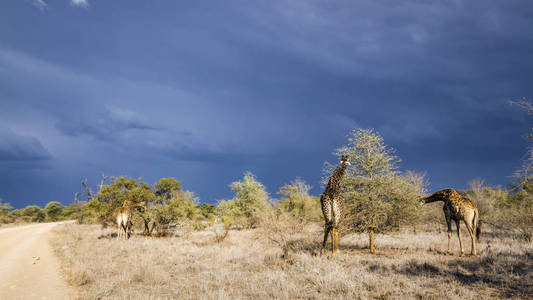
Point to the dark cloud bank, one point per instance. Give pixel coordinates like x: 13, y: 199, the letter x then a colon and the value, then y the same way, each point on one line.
x: 204, y: 92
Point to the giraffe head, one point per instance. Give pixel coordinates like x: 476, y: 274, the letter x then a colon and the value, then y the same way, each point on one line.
x: 344, y: 161
x: 441, y: 195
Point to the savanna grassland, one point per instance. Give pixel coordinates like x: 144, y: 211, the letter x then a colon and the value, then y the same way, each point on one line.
x: 250, y: 264
x: 255, y: 247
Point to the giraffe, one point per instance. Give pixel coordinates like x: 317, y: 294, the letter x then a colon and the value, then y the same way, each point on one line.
x: 124, y: 217
x: 332, y: 203
x: 457, y: 208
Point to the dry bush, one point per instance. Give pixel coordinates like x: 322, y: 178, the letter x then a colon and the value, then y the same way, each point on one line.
x: 285, y: 231
x: 243, y: 266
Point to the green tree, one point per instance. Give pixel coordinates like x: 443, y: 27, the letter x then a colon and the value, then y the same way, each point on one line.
x: 4, y: 212
x: 34, y: 213
x: 207, y: 210
x: 54, y: 211
x: 166, y: 188
x: 110, y: 198
x: 248, y: 204
x: 298, y: 203
x: 181, y: 208
x: 70, y: 211
x: 378, y: 198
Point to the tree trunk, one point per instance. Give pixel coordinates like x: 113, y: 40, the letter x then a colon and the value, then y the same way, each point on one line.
x: 371, y: 241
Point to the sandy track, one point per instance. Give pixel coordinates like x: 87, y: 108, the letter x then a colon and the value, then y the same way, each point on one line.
x: 21, y: 275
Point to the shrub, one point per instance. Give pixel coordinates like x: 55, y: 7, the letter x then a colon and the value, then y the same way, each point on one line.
x: 248, y: 204
x: 54, y: 211
x: 298, y: 203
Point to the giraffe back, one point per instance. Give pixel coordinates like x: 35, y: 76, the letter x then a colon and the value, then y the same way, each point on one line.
x: 457, y: 206
x: 332, y: 200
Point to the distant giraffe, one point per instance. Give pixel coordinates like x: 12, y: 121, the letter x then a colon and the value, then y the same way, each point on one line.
x: 124, y: 217
x: 457, y: 208
x: 332, y: 203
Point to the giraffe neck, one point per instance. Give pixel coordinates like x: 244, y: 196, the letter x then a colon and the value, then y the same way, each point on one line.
x: 433, y: 199
x: 334, y: 184
x: 337, y: 176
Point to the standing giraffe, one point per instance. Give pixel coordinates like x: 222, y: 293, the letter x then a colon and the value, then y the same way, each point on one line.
x: 124, y: 217
x: 457, y: 208
x: 332, y: 203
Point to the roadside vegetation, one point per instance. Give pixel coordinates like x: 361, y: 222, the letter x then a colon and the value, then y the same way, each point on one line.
x: 53, y: 211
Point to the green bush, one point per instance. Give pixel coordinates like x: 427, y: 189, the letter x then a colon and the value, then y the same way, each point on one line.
x: 4, y: 213
x: 54, y: 211
x: 297, y: 202
x: 248, y: 204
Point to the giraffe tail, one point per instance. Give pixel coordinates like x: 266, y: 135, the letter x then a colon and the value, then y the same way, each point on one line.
x: 477, y: 224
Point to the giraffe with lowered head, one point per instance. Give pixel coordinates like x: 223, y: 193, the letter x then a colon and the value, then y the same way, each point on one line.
x: 124, y: 217
x: 457, y: 208
x: 332, y: 203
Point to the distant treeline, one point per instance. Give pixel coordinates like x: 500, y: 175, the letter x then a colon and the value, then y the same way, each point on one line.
x: 53, y: 211
x: 378, y: 198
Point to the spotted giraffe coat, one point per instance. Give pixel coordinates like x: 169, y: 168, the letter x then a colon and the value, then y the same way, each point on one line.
x: 332, y: 200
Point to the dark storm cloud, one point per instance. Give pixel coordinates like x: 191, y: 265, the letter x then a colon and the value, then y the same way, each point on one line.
x: 21, y: 148
x: 107, y: 126
x: 205, y: 91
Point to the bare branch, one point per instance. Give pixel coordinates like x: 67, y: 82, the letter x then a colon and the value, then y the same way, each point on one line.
x: 89, y: 191
x: 102, y: 182
x: 523, y: 103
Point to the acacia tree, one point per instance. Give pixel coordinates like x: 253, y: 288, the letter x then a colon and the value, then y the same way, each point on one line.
x: 249, y: 202
x: 165, y: 188
x: 110, y: 198
x: 298, y: 203
x: 517, y: 210
x: 378, y: 198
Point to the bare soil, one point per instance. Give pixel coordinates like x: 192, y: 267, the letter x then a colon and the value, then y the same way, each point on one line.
x: 28, y: 267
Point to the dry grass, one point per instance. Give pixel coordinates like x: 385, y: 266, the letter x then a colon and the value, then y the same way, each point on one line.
x: 192, y: 265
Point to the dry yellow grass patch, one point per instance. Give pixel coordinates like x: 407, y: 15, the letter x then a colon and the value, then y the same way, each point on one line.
x: 246, y: 265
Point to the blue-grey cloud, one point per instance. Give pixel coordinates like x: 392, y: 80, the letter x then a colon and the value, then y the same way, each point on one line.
x: 16, y: 147
x: 205, y: 91
x: 40, y: 4
x: 80, y: 3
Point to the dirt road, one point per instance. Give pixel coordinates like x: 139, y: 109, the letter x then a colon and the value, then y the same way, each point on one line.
x: 28, y: 267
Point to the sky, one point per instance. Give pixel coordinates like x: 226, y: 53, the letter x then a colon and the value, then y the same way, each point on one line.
x: 205, y: 90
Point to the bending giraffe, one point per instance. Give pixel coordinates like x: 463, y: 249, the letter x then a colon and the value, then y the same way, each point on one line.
x: 124, y: 217
x: 332, y: 203
x: 457, y: 208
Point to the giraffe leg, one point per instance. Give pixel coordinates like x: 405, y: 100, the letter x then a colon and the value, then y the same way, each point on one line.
x: 124, y: 231
x: 458, y: 225
x: 449, y: 223
x: 327, y: 229
x: 473, y: 238
x: 334, y: 242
